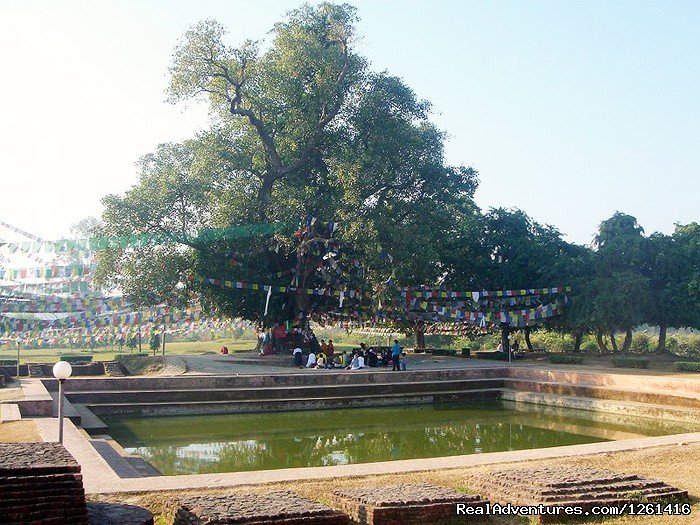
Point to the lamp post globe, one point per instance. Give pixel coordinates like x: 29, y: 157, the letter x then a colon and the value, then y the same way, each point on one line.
x: 61, y: 371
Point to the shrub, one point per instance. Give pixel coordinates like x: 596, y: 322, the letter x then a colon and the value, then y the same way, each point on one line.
x: 552, y: 341
x: 562, y: 359
x: 687, y: 346
x: 687, y: 366
x: 590, y: 347
x: 642, y: 343
x: 630, y: 362
x: 74, y: 359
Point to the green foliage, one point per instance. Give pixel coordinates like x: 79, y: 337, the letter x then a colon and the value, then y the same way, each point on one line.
x: 589, y: 346
x: 630, y: 362
x: 642, y: 343
x: 132, y: 342
x: 686, y: 345
x: 154, y: 342
x: 74, y: 359
x: 301, y: 128
x: 552, y: 341
x: 563, y: 359
x: 687, y: 366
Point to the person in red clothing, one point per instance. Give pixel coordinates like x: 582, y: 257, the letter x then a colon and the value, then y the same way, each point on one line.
x: 279, y: 334
x: 330, y: 350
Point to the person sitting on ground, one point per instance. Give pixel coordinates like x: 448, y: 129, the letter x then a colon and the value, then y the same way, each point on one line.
x: 297, y: 357
x: 360, y: 361
x: 313, y: 344
x: 321, y: 361
x: 516, y: 346
x: 224, y: 350
x: 343, y: 359
x: 372, y: 359
x: 311, y: 360
x: 381, y: 359
x: 354, y: 362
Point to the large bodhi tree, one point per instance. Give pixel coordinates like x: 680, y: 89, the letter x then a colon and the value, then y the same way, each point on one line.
x: 301, y: 129
x: 282, y: 101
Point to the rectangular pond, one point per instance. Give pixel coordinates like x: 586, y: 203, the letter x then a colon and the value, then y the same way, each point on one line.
x: 244, y: 442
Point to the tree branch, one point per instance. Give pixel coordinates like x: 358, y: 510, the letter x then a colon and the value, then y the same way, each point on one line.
x: 325, y: 118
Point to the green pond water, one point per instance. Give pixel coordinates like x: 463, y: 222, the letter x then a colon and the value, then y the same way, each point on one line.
x: 244, y: 442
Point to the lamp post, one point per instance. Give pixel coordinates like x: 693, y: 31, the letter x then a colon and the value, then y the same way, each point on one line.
x: 61, y: 371
x: 19, y: 345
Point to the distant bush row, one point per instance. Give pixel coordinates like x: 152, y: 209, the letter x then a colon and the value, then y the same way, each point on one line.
x: 687, y: 366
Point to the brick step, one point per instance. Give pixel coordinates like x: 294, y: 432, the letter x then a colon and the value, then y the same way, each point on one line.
x: 604, y: 490
x: 115, y: 369
x: 601, y: 392
x: 235, y: 394
x: 89, y: 422
x: 280, y: 405
x: 297, y: 378
x: 69, y: 410
x: 9, y: 412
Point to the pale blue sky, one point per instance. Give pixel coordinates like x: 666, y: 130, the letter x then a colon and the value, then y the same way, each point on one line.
x: 569, y: 110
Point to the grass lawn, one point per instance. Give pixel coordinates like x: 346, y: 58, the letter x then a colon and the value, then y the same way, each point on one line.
x: 50, y: 355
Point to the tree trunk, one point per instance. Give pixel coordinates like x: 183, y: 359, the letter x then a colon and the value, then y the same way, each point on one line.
x: 661, y: 347
x: 627, y: 343
x: 265, y: 198
x: 578, y: 337
x: 163, y: 337
x: 420, y: 334
x: 601, y: 342
x: 613, y: 343
x: 420, y: 339
x: 504, y: 338
x: 527, y: 337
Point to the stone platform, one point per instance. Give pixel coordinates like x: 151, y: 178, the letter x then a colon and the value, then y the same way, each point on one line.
x: 101, y: 513
x: 571, y: 486
x: 40, y: 483
x: 268, y: 508
x: 409, y: 504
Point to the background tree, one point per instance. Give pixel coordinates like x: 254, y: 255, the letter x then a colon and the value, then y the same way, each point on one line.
x: 620, y: 286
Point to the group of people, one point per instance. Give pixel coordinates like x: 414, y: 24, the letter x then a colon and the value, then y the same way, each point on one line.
x: 278, y: 340
x: 360, y: 358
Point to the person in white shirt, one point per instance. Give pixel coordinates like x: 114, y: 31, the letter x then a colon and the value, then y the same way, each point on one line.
x: 321, y: 361
x: 311, y: 362
x: 360, y: 361
x: 353, y: 363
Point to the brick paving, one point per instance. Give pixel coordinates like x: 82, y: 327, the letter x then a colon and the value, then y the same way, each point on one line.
x: 406, y: 504
x: 559, y: 486
x: 270, y: 508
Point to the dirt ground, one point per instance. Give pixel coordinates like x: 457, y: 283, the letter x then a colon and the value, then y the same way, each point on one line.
x: 677, y: 465
x: 24, y: 431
